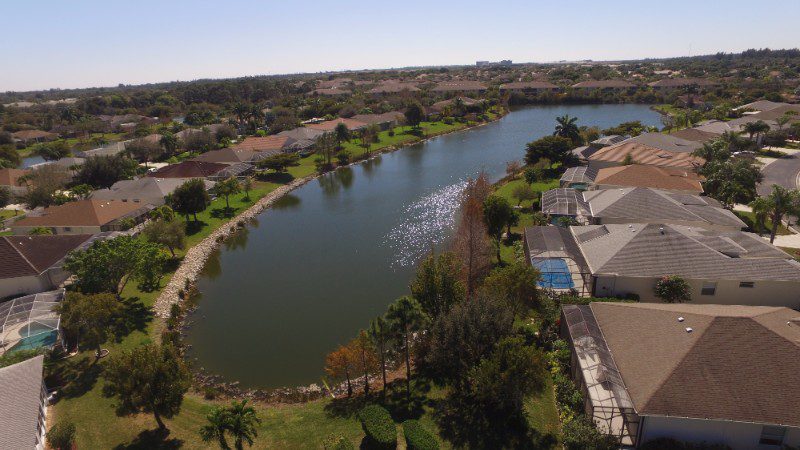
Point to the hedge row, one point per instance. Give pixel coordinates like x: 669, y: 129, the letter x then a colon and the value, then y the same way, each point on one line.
x: 418, y: 438
x: 380, y: 430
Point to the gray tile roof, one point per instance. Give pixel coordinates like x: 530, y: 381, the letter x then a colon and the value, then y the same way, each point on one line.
x: 666, y: 142
x: 654, y: 250
x: 20, y: 400
x: 639, y: 204
x: 146, y: 189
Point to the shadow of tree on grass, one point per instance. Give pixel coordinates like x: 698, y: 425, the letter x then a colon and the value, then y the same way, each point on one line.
x: 151, y: 440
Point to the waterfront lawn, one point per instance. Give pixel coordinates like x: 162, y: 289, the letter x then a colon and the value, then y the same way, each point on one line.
x: 72, y: 142
x: 505, y: 189
x: 749, y: 218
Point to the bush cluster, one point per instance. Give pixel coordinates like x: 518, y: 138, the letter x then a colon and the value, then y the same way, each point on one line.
x: 379, y: 427
x: 417, y: 437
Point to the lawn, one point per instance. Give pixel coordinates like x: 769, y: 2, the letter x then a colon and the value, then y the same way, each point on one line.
x: 8, y: 213
x: 505, y: 189
x: 73, y: 142
x: 750, y: 219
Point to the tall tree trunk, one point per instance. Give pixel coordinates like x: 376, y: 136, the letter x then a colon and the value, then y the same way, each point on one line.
x: 776, y: 221
x: 160, y: 422
x: 349, y: 385
x: 408, y: 370
x: 366, y: 374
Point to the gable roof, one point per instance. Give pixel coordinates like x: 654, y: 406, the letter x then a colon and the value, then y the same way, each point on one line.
x: 639, y: 204
x: 188, y: 169
x: 604, y: 84
x: 654, y: 250
x: 229, y: 155
x: 645, y: 154
x: 20, y: 402
x: 264, y: 143
x: 639, y: 175
x: 330, y: 125
x: 80, y: 213
x: 22, y: 256
x: 761, y: 105
x: 694, y: 134
x: 142, y: 189
x: 738, y: 363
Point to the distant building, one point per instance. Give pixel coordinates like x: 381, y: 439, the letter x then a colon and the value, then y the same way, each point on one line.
x: 529, y: 87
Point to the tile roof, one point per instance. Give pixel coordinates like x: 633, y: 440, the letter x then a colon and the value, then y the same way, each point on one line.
x: 654, y: 250
x: 188, y: 169
x: 639, y: 204
x: 10, y: 177
x: 527, y: 85
x: 655, y: 151
x: 26, y: 135
x: 371, y: 119
x: 761, y: 105
x: 681, y: 82
x: 301, y: 133
x: 465, y: 85
x: 80, y: 213
x: 738, y: 363
x: 264, y: 143
x: 604, y: 84
x: 20, y: 403
x: 142, y: 189
x: 694, y: 134
x: 639, y: 175
x: 229, y: 155
x: 330, y: 125
x: 394, y: 88
x: 22, y: 256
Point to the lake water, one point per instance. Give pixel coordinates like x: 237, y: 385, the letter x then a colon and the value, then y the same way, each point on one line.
x: 334, y: 253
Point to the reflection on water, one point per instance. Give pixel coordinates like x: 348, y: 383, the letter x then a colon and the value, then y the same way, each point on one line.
x: 425, y: 223
x: 288, y: 201
x: 213, y: 268
x: 370, y: 165
x: 238, y: 240
x: 332, y: 182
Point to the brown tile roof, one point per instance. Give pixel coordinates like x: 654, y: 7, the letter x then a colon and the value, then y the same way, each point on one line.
x: 645, y: 154
x: 522, y: 85
x: 188, y: 169
x: 681, y: 82
x: 693, y: 134
x: 392, y: 116
x: 26, y: 135
x: 466, y: 85
x: 604, y: 84
x: 650, y: 176
x: 80, y: 213
x: 228, y: 155
x: 10, y: 177
x: 265, y: 143
x: 330, y: 125
x: 31, y: 255
x: 738, y: 363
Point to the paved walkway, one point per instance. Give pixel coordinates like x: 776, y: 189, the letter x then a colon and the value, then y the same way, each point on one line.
x: 788, y: 240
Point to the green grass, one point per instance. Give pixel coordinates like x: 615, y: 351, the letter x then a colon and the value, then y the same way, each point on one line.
x: 9, y: 213
x: 73, y: 142
x: 750, y: 219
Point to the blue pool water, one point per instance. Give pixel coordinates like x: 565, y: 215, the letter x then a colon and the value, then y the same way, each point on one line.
x: 555, y: 273
x: 36, y: 341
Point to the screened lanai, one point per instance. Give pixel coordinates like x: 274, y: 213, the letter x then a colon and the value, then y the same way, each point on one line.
x: 30, y: 322
x: 606, y: 399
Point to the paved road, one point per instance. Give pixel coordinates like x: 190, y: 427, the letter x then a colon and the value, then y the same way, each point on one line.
x: 783, y: 171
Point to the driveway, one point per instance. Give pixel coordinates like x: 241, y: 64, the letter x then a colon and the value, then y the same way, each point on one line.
x: 783, y: 171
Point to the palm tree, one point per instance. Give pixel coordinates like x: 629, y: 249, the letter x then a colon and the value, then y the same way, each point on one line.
x: 241, y: 111
x: 778, y: 204
x: 567, y: 127
x: 756, y: 128
x: 242, y: 424
x: 214, y: 430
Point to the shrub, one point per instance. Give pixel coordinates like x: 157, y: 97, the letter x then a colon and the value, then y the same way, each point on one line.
x: 61, y: 436
x: 391, y: 132
x: 581, y: 433
x: 338, y: 443
x: 672, y: 289
x: 378, y: 426
x: 418, y: 438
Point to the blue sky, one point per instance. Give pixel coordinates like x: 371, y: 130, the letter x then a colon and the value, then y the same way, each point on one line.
x: 65, y: 44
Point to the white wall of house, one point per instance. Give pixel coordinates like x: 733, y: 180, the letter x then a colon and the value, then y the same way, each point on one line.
x: 24, y: 285
x: 727, y: 292
x: 738, y: 435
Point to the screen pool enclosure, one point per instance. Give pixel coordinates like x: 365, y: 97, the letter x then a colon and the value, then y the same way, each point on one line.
x: 30, y: 322
x: 555, y: 273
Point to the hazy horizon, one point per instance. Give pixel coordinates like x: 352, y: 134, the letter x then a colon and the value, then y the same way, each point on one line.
x: 55, y: 45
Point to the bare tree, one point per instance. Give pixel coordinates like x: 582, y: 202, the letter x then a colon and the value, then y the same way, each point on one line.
x: 471, y: 242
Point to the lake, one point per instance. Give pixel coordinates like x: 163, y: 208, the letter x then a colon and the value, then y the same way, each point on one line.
x: 331, y: 255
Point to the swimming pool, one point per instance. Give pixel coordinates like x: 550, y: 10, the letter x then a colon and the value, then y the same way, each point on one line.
x: 555, y: 273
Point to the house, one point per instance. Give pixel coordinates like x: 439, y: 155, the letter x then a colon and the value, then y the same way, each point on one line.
x: 31, y: 322
x: 31, y: 136
x: 330, y: 125
x: 439, y: 107
x: 655, y: 149
x: 393, y: 87
x: 189, y: 169
x: 23, y: 405
x: 460, y: 86
x: 681, y: 83
x: 32, y: 264
x: 621, y: 260
x: 112, y: 149
x: 235, y: 155
x: 10, y: 179
x: 301, y: 139
x: 271, y: 144
x: 529, y: 87
x: 144, y: 191
x: 604, y: 85
x: 759, y: 106
x: 84, y: 217
x: 708, y: 374
x: 637, y: 175
x: 384, y: 121
x: 583, y: 153
x: 695, y: 134
x: 331, y: 92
